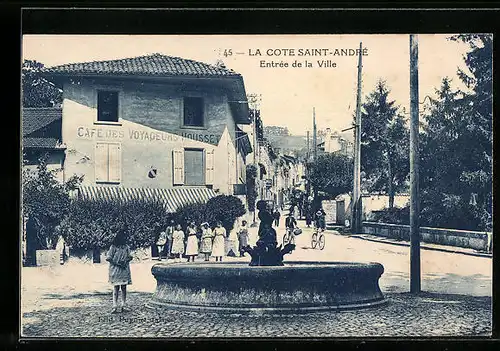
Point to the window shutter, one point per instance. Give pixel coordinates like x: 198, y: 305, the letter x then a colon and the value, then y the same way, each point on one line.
x: 115, y: 163
x: 209, y: 168
x: 178, y: 165
x: 101, y: 162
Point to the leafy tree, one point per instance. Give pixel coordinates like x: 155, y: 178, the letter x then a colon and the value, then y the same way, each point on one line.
x: 332, y: 174
x: 46, y: 200
x: 251, y: 176
x: 456, y: 179
x: 36, y: 90
x: 384, y: 144
x: 457, y: 144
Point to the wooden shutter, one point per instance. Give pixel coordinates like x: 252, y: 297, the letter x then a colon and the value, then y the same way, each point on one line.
x: 101, y: 162
x: 178, y: 166
x: 115, y: 163
x: 209, y: 166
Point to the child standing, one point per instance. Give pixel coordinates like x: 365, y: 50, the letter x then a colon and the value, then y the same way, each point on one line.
x: 119, y: 258
x: 192, y: 242
x: 177, y: 243
x: 243, y: 237
x: 206, y: 240
x: 219, y: 239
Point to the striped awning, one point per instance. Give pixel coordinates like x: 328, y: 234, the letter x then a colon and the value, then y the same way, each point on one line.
x: 173, y: 198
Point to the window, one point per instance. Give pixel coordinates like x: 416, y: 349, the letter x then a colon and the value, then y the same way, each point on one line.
x: 193, y: 167
x: 107, y: 106
x: 193, y: 112
x: 108, y: 163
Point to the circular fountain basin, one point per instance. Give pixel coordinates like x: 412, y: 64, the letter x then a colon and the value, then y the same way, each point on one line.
x: 296, y: 287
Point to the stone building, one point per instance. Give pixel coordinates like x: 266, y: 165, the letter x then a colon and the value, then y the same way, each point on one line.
x: 153, y: 126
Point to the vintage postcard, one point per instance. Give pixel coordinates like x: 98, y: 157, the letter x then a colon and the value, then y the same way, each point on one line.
x: 189, y: 186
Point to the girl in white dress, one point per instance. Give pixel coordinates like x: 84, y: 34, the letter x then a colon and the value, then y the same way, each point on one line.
x: 177, y: 243
x: 192, y: 242
x: 206, y: 240
x: 218, y: 247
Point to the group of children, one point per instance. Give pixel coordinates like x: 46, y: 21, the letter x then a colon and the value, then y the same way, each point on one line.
x: 203, y: 240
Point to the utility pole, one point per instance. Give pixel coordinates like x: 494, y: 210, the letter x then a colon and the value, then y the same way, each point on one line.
x: 356, y: 206
x: 315, y: 156
x: 415, y: 285
x: 308, y: 160
x: 315, y: 140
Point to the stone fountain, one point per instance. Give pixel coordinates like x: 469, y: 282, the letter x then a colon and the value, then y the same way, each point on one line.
x: 267, y: 285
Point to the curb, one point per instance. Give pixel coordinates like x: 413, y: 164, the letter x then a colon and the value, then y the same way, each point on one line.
x: 425, y: 247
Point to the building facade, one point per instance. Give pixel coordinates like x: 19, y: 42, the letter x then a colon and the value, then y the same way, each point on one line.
x: 153, y: 122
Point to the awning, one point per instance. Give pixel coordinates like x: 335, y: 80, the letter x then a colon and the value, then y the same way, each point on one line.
x: 173, y: 198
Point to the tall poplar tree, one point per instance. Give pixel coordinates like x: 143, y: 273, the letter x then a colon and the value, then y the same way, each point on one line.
x: 384, y: 144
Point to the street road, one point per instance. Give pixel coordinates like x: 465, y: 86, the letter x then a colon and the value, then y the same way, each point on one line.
x: 442, y: 272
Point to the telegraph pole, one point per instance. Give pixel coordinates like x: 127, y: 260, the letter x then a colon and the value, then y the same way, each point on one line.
x: 308, y: 160
x: 315, y: 140
x: 415, y: 285
x: 356, y: 206
x: 315, y: 156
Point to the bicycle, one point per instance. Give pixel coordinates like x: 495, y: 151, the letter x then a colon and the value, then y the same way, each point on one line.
x: 289, y: 237
x: 318, y: 239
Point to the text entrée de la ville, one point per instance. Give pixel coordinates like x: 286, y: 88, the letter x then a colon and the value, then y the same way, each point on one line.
x: 299, y: 57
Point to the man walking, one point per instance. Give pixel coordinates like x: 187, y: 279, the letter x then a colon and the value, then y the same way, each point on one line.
x: 276, y: 216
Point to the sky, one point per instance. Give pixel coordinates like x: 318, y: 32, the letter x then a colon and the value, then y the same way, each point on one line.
x: 288, y: 94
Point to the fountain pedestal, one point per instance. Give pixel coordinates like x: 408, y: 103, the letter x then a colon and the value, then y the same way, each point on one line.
x: 267, y: 285
x: 295, y: 287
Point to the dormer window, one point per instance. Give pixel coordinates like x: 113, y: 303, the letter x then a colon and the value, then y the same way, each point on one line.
x: 107, y: 106
x: 193, y: 112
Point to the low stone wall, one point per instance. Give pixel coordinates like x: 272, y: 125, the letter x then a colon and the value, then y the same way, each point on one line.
x: 142, y: 254
x: 481, y: 241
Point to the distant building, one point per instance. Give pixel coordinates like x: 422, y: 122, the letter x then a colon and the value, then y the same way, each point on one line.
x: 42, y: 136
x: 333, y: 142
x: 276, y: 131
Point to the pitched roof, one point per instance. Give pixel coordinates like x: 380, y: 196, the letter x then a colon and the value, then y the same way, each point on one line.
x: 36, y: 118
x: 40, y: 143
x: 148, y: 65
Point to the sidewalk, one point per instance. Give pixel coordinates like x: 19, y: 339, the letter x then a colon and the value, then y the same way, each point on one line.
x: 425, y: 246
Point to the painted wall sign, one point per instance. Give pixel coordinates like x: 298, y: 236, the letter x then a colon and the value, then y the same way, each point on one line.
x: 105, y: 133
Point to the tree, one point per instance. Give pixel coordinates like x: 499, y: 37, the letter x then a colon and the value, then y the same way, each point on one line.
x: 46, y: 201
x: 384, y: 145
x: 456, y: 146
x: 37, y: 91
x: 332, y: 174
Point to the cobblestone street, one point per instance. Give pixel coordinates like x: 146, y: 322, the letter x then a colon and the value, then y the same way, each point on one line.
x: 403, y: 315
x: 74, y: 300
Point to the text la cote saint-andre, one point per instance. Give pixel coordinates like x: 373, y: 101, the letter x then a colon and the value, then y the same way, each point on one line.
x: 305, y: 53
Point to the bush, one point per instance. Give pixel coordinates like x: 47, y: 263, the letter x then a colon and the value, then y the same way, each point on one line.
x: 46, y: 201
x: 92, y: 224
x: 393, y: 215
x: 226, y: 208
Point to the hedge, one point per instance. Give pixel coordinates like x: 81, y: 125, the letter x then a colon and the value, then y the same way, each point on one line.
x: 226, y: 208
x: 92, y: 224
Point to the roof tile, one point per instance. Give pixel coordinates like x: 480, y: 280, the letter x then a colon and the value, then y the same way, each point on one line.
x: 36, y: 118
x: 150, y: 65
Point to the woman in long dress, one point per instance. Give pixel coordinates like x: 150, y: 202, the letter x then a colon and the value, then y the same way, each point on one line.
x: 219, y: 238
x: 192, y: 242
x: 231, y: 242
x: 177, y: 243
x: 206, y: 240
x: 242, y: 237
